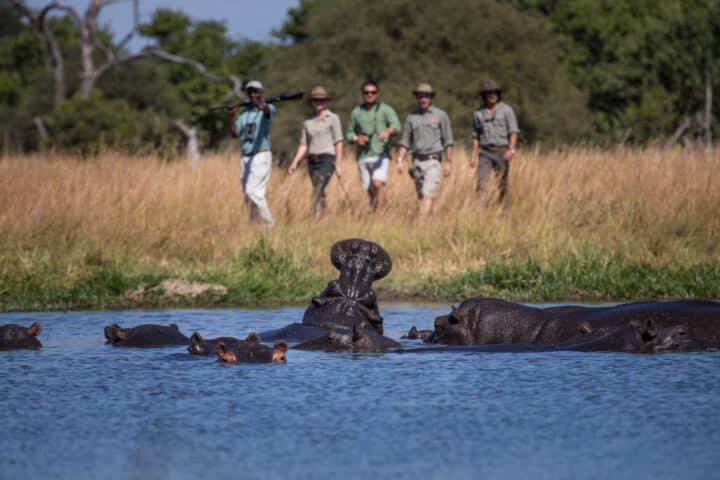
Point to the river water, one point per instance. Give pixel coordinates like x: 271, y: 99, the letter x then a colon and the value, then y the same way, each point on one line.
x: 80, y: 409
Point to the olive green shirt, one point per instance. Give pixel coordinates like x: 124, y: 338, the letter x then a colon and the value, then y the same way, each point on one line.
x: 370, y: 122
x: 321, y: 135
x: 494, y: 130
x: 427, y: 131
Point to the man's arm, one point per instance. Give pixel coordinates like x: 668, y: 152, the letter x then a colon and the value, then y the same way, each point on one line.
x: 447, y: 141
x: 350, y: 134
x: 393, y: 124
x: 231, y: 112
x: 405, y: 141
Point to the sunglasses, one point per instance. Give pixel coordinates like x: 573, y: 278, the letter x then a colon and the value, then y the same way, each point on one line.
x: 250, y: 91
x: 370, y: 92
x: 423, y: 95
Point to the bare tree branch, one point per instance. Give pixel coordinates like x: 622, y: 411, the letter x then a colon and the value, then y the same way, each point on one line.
x: 54, y: 54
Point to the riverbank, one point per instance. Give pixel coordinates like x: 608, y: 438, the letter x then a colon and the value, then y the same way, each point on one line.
x: 582, y: 224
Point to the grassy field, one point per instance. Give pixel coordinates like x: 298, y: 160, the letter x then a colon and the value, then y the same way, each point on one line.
x: 582, y: 224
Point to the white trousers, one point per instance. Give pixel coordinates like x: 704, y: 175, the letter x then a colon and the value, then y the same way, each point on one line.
x: 254, y: 175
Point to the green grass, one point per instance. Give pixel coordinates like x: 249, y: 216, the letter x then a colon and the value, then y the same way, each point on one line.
x: 261, y: 275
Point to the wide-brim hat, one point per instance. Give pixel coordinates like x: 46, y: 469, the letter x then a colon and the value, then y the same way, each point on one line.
x: 424, y: 88
x: 490, y: 86
x: 318, y: 93
x: 253, y: 84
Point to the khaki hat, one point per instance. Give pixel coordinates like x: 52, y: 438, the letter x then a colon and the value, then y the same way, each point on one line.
x: 318, y: 92
x: 424, y: 88
x: 490, y: 86
x: 253, y: 84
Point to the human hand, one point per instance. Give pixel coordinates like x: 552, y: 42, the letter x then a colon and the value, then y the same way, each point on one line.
x: 399, y: 168
x: 508, y: 155
x: 362, y: 140
x: 292, y: 168
x: 232, y: 110
x: 447, y: 168
x: 473, y: 161
x: 338, y: 171
x: 384, y: 134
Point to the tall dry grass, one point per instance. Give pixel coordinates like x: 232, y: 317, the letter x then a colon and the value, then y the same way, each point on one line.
x: 643, y: 205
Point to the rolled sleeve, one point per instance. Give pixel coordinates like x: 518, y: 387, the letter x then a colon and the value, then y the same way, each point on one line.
x: 304, y: 135
x: 446, y: 132
x: 336, y: 130
x: 512, y: 125
x: 405, y: 138
x: 393, y: 120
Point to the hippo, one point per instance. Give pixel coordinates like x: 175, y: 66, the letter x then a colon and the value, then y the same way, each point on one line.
x: 680, y: 325
x: 145, y: 336
x: 415, y: 334
x: 15, y: 336
x: 251, y: 352
x: 200, y: 346
x: 350, y: 339
x: 350, y: 299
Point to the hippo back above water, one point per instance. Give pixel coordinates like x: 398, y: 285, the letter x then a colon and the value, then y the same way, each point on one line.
x: 639, y: 326
x: 350, y: 300
x: 15, y: 336
x: 145, y: 336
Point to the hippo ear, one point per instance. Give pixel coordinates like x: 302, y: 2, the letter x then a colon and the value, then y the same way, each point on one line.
x: 281, y: 346
x: 196, y: 338
x: 458, y: 314
x: 174, y: 325
x: 584, y: 327
x: 650, y: 331
x: 220, y: 349
x: 34, y: 329
x: 252, y: 338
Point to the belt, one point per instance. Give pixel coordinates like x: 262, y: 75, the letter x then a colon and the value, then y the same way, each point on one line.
x: 493, y: 148
x: 429, y: 156
x: 313, y: 157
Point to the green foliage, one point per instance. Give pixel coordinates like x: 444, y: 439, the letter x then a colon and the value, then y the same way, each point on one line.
x: 587, y: 276
x: 644, y: 63
x: 86, y: 125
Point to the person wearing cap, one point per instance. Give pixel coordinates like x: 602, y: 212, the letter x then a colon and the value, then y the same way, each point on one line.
x: 426, y: 134
x: 322, y: 140
x: 494, y: 138
x: 252, y: 126
x: 372, y: 123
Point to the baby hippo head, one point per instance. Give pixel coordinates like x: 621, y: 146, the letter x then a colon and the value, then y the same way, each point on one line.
x: 455, y: 328
x: 252, y: 352
x: 15, y: 336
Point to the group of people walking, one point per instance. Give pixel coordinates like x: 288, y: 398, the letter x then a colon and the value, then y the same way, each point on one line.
x: 427, y: 136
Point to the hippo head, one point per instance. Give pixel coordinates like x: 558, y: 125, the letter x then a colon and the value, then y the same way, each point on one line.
x: 16, y: 336
x: 234, y: 356
x: 360, y: 263
x: 678, y: 338
x: 455, y: 328
x: 114, y: 333
x: 197, y: 345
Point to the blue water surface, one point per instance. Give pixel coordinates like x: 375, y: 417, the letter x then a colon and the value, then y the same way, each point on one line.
x: 80, y: 409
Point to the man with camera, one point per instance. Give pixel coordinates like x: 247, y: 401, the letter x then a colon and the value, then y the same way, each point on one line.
x: 372, y: 123
x: 252, y: 126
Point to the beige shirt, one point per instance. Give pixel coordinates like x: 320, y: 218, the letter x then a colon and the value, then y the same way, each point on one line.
x: 321, y: 135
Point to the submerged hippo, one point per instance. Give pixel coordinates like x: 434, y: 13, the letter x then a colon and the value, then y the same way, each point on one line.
x: 15, y: 336
x: 251, y: 352
x: 144, y: 336
x: 200, y: 346
x: 350, y: 339
x: 678, y: 325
